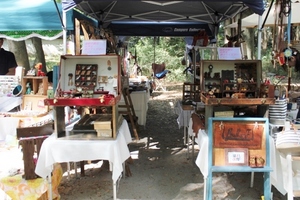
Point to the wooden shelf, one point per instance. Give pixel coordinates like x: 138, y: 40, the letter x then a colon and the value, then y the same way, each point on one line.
x: 35, y: 82
x: 107, y: 101
x: 239, y: 102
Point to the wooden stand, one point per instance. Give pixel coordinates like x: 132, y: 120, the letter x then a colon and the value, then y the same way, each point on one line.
x: 31, y: 139
x: 251, y: 141
x: 129, y: 113
x: 191, y: 91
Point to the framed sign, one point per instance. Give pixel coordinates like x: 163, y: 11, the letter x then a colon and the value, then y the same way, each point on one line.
x: 93, y: 47
x: 238, y: 134
x: 236, y: 156
x: 229, y: 53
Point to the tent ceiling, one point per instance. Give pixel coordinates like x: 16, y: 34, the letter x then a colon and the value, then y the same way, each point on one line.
x: 252, y: 20
x: 24, y: 19
x: 210, y: 12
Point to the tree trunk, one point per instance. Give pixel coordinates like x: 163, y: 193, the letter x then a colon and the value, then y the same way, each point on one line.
x: 20, y: 51
x: 249, y: 39
x: 265, y: 36
x: 39, y: 52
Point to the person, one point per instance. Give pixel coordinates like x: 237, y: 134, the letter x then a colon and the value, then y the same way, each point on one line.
x: 8, y: 61
x: 136, y: 71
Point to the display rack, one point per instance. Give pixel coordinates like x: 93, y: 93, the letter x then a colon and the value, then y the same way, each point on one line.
x: 240, y: 84
x: 79, y: 86
x: 35, y: 84
x: 233, y: 143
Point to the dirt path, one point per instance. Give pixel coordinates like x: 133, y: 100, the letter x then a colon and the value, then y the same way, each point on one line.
x: 160, y: 168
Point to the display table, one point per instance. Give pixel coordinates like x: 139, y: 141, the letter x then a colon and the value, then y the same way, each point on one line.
x: 184, y: 113
x: 16, y: 187
x: 63, y: 150
x: 140, y: 104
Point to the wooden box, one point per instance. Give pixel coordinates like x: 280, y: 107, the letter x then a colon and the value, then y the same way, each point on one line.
x: 91, y: 82
x: 231, y: 76
x: 90, y: 73
x: 104, y: 133
x: 102, y: 125
x: 37, y: 84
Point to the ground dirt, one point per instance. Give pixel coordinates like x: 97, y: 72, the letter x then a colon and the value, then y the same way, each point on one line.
x: 161, y: 168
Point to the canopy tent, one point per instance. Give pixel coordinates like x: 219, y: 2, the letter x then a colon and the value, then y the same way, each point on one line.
x: 163, y: 15
x: 252, y: 20
x: 27, y: 18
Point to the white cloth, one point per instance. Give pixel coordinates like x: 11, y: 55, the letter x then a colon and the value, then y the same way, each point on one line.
x: 282, y: 182
x: 140, y: 104
x: 9, y: 103
x: 62, y: 150
x: 183, y: 115
x: 8, y: 126
x: 202, y: 158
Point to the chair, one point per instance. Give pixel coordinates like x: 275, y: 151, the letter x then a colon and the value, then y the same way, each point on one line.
x: 159, y: 75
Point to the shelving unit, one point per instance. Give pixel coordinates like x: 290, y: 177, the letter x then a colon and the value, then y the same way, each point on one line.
x: 246, y: 90
x: 232, y: 76
x: 191, y: 91
x: 95, y: 103
x: 35, y: 82
x: 240, y: 83
x: 214, y: 84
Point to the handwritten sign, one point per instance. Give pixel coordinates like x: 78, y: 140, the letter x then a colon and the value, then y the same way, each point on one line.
x: 93, y: 47
x: 229, y: 53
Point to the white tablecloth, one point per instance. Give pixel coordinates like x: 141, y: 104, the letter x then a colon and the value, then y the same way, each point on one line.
x: 9, y: 127
x: 61, y: 150
x: 140, y: 104
x: 183, y: 115
x: 9, y: 103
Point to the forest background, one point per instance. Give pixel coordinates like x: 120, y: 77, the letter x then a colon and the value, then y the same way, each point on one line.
x: 170, y: 50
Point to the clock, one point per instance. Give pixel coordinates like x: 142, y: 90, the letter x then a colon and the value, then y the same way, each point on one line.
x: 210, y: 67
x: 288, y: 53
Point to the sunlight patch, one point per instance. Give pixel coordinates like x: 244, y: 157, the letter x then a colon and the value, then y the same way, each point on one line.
x: 134, y: 155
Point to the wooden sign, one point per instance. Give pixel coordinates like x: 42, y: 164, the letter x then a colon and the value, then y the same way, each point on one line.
x: 229, y: 53
x: 94, y: 47
x: 228, y: 134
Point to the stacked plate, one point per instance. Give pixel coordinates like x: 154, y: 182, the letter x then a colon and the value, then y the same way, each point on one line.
x: 288, y: 138
x: 277, y: 112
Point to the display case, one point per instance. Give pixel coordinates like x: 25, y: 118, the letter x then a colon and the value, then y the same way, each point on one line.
x: 232, y: 78
x: 235, y: 80
x: 92, y: 83
x: 240, y: 82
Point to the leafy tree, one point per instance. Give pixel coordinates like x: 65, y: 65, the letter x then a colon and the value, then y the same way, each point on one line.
x: 169, y: 50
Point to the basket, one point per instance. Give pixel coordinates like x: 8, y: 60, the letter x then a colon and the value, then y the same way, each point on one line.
x: 224, y: 114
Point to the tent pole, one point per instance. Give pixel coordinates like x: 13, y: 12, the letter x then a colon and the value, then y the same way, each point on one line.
x: 259, y: 38
x: 64, y: 32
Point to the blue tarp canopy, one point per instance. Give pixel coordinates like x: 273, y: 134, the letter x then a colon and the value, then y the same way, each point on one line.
x: 22, y: 19
x: 155, y: 17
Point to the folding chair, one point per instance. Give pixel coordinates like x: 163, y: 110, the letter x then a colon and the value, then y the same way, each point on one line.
x: 159, y: 75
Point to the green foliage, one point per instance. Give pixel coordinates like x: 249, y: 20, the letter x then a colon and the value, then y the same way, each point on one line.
x: 169, y: 50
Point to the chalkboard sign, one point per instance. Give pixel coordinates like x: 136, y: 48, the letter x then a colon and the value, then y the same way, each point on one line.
x: 229, y: 53
x: 93, y: 47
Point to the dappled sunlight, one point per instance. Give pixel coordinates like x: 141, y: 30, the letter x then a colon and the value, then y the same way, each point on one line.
x: 74, y: 167
x: 134, y: 154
